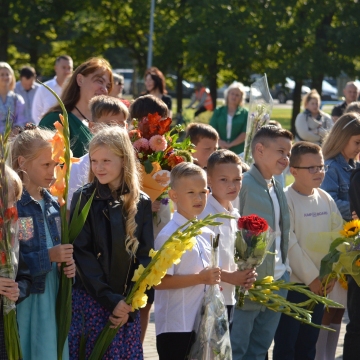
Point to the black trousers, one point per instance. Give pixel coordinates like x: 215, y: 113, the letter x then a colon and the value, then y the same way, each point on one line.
x: 174, y: 346
x: 200, y: 110
x: 352, y: 336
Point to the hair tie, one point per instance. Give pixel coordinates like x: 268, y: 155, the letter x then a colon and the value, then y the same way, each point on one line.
x: 350, y: 123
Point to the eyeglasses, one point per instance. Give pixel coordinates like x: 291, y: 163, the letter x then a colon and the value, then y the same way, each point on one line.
x: 313, y: 169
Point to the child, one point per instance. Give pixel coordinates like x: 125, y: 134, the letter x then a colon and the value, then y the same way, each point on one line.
x: 340, y: 149
x: 140, y: 108
x: 18, y: 289
x: 115, y: 239
x: 312, y: 211
x: 254, y: 326
x: 178, y: 297
x: 205, y: 138
x: 224, y: 178
x: 39, y: 237
x: 105, y: 110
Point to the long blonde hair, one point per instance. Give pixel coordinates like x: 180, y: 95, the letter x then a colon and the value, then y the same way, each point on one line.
x: 28, y: 144
x: 118, y: 141
x: 345, y: 127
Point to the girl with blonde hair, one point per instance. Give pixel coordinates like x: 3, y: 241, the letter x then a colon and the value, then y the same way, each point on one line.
x: 91, y: 78
x: 40, y: 245
x: 312, y: 124
x: 340, y: 150
x: 116, y: 238
x: 9, y: 101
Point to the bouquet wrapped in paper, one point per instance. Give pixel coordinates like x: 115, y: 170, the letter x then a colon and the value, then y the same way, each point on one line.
x: 260, y: 107
x: 212, y: 341
x: 158, y: 151
x: 253, y: 241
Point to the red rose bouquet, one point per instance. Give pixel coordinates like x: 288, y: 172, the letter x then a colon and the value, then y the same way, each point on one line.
x: 253, y: 241
x: 158, y: 150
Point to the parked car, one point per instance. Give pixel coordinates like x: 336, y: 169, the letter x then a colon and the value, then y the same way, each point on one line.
x: 128, y: 77
x: 329, y: 92
x: 285, y: 92
x: 188, y: 88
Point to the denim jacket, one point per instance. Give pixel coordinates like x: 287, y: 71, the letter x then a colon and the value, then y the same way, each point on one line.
x: 32, y: 236
x: 337, y: 182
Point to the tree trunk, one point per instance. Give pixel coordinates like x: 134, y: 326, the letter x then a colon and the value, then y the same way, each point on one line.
x: 316, y: 82
x: 296, y: 103
x: 179, y: 88
x: 4, y: 29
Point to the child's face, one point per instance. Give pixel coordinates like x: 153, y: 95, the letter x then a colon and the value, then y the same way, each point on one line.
x: 189, y: 194
x: 225, y: 182
x: 204, y: 148
x: 109, y: 119
x: 107, y: 166
x: 352, y: 148
x: 273, y: 156
x: 303, y: 177
x: 40, y: 171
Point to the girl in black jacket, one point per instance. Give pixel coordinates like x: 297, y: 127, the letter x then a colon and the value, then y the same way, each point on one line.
x: 115, y: 239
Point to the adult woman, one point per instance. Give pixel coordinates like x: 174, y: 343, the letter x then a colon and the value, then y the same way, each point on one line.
x: 91, y: 78
x: 9, y: 100
x: 155, y: 85
x: 312, y: 124
x: 230, y: 120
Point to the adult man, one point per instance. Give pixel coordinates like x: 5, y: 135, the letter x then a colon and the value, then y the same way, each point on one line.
x: 43, y: 99
x: 118, y: 87
x: 351, y: 93
x: 27, y: 88
x: 204, y: 100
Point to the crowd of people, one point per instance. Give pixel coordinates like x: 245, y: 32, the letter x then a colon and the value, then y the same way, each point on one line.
x: 120, y: 229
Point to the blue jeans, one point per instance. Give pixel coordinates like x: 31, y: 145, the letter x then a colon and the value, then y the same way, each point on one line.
x: 253, y: 331
x: 293, y: 339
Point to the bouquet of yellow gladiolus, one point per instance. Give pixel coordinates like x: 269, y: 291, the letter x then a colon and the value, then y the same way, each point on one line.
x: 61, y: 154
x: 179, y: 242
x: 262, y: 291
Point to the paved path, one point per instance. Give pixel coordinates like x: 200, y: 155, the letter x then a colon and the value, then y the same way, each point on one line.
x: 150, y: 352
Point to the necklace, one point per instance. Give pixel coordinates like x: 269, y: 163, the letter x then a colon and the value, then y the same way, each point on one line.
x: 82, y: 114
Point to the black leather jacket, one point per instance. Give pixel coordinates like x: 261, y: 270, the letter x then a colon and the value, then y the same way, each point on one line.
x: 104, y: 268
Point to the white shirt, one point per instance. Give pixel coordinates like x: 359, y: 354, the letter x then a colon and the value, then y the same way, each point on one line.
x: 280, y: 267
x: 79, y: 175
x: 227, y: 233
x: 228, y: 127
x: 176, y: 309
x: 44, y: 99
x: 315, y: 222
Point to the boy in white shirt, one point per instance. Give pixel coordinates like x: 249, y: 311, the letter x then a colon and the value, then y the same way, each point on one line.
x: 312, y: 211
x: 224, y: 174
x: 178, y: 297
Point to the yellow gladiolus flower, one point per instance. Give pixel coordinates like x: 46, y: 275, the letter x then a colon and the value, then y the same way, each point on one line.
x: 351, y: 228
x: 189, y: 244
x: 137, y: 273
x: 266, y: 291
x: 152, y: 253
x: 139, y: 300
x: 267, y: 280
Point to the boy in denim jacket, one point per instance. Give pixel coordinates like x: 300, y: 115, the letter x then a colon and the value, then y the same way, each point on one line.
x: 254, y: 325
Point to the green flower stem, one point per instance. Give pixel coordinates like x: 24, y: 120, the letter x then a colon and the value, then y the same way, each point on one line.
x: 263, y: 293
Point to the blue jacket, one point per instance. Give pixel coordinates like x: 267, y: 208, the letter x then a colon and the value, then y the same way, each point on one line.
x: 256, y: 199
x: 337, y: 182
x: 32, y: 237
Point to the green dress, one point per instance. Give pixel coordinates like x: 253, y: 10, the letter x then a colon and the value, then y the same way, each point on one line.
x: 80, y: 134
x: 219, y: 120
